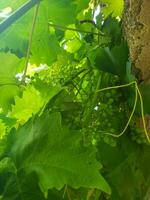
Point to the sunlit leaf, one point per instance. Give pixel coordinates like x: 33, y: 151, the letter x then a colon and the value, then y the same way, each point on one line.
x: 52, y: 150
x: 114, y: 7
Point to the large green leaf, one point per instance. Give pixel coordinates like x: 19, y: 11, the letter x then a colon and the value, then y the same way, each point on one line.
x: 123, y: 169
x: 10, y: 65
x: 114, y: 7
x: 73, y: 42
x: 32, y: 101
x: 45, y: 45
x: 56, y: 155
x: 8, y: 92
x: 111, y: 60
x: 112, y: 28
x: 15, y: 186
x: 65, y: 9
x: 16, y: 37
x: 81, y: 4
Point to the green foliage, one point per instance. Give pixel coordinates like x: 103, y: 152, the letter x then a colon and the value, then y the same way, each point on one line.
x: 113, y: 7
x: 112, y: 60
x: 49, y: 149
x: 10, y: 65
x: 57, y: 125
x: 127, y: 173
x: 32, y: 101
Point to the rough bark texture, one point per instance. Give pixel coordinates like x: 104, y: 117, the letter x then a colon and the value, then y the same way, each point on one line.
x: 136, y: 26
x: 137, y: 32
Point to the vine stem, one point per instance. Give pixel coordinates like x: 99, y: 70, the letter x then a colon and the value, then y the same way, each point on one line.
x: 137, y: 92
x: 93, y: 101
x: 66, y: 192
x: 116, y: 87
x: 74, y: 29
x: 30, y: 42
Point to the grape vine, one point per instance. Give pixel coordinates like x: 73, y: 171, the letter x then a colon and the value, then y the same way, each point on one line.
x: 73, y: 116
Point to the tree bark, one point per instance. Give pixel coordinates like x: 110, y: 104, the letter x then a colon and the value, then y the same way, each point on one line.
x: 136, y: 25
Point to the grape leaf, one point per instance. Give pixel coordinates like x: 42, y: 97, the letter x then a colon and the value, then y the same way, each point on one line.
x: 124, y: 171
x: 111, y: 60
x: 10, y: 65
x: 17, y: 36
x: 81, y: 4
x: 62, y: 12
x: 2, y: 129
x: 55, y: 154
x: 114, y: 7
x: 8, y: 92
x: 112, y: 28
x: 45, y: 46
x: 32, y: 101
x: 73, y: 42
x: 13, y: 185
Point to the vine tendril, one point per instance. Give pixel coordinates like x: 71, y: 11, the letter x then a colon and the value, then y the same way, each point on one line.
x: 137, y: 93
x: 30, y: 42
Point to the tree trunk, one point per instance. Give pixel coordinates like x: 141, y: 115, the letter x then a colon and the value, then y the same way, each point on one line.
x: 136, y: 24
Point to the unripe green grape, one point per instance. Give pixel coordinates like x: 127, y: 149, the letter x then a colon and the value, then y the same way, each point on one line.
x: 109, y: 125
x: 113, y: 92
x: 109, y: 140
x: 108, y: 94
x: 106, y: 139
x: 139, y: 141
x: 104, y: 115
x: 112, y: 130
x: 110, y: 101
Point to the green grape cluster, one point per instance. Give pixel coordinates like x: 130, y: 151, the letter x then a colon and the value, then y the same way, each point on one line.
x: 109, y: 108
x: 109, y: 140
x: 137, y: 135
x: 107, y: 117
